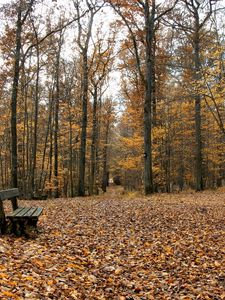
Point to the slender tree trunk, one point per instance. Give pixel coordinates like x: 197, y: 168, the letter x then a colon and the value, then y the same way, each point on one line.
x: 14, y: 158
x: 154, y: 114
x: 181, y: 169
x: 56, y: 130
x: 82, y: 158
x: 168, y: 164
x: 71, y: 151
x: 14, y: 105
x: 24, y: 144
x: 50, y: 160
x: 149, y: 24
x: 85, y: 83
x: 36, y: 111
x: 27, y: 158
x: 198, y: 133
x: 56, y: 150
x: 94, y: 142
x: 42, y: 180
x: 105, y: 173
x: 71, y: 158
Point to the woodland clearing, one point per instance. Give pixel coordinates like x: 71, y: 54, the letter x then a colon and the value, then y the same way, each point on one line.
x: 113, y: 246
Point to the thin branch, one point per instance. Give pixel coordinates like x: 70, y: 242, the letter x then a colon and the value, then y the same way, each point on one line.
x: 50, y: 33
x: 133, y: 37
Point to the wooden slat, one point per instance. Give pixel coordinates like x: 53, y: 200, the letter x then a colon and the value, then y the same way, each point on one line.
x: 9, y: 194
x: 12, y: 214
x: 30, y: 212
x: 37, y: 212
x: 22, y: 212
x: 26, y: 212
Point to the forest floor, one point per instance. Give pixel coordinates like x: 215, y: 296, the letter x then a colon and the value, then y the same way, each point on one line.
x: 122, y: 247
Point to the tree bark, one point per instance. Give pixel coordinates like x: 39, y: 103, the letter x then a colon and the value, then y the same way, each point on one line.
x: 149, y: 24
x: 94, y: 142
x: 105, y: 160
x: 56, y: 129
x: 36, y: 111
x: 198, y: 131
x: 82, y: 158
x: 85, y: 83
x: 14, y: 159
x: 71, y: 151
x: 14, y: 104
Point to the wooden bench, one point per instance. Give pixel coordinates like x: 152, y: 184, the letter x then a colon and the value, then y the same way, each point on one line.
x: 21, y: 217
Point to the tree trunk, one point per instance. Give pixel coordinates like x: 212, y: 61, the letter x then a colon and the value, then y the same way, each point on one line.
x: 154, y: 104
x: 56, y: 129
x: 57, y: 96
x: 81, y: 183
x: 71, y: 150
x: 36, y: 111
x: 47, y: 134
x: 14, y: 104
x: 105, y: 160
x: 149, y: 24
x: 85, y: 83
x: 94, y: 142
x: 198, y: 133
x: 24, y: 183
x: 168, y: 164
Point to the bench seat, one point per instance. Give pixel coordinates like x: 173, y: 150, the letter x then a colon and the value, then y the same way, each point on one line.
x: 25, y: 212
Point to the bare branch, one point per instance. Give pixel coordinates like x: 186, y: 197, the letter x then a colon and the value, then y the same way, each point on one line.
x: 58, y: 29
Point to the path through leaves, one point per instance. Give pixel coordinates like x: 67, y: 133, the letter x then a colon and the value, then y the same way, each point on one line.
x: 115, y: 247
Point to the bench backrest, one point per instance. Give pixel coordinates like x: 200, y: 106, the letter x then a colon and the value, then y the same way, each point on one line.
x: 9, y: 194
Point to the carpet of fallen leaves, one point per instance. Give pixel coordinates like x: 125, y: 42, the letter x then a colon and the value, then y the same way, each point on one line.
x: 120, y: 247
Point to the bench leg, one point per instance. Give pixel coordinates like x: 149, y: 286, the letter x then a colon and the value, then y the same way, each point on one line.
x: 2, y: 226
x: 32, y: 222
x: 24, y: 226
x: 16, y: 227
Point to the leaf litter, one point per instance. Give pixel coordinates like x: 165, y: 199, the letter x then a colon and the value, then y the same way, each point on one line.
x: 167, y: 246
